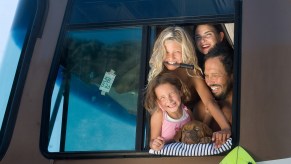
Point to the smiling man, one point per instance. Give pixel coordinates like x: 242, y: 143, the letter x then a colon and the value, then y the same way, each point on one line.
x: 218, y: 71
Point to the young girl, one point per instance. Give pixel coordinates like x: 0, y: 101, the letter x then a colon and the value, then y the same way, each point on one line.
x: 163, y: 100
x: 175, y: 46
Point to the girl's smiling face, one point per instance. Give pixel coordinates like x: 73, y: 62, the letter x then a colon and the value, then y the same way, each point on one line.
x: 168, y: 98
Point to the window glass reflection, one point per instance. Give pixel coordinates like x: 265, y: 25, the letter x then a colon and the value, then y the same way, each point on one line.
x: 100, y: 94
x: 15, y: 28
x: 8, y: 63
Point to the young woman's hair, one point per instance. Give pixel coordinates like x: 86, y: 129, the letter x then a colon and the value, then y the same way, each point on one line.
x: 188, y: 52
x: 213, y: 26
x: 164, y: 78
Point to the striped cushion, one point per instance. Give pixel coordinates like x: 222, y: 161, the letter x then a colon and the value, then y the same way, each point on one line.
x: 181, y: 149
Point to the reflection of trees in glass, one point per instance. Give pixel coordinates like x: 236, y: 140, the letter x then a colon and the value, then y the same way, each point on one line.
x: 90, y: 59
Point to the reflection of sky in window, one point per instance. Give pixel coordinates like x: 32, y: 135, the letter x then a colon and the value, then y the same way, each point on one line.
x: 7, y: 49
x: 7, y: 12
x: 109, y: 36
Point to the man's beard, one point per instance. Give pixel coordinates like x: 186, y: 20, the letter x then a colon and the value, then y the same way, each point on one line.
x: 223, y: 95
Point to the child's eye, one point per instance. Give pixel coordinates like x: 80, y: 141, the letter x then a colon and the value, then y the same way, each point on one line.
x: 162, y: 98
x: 173, y: 93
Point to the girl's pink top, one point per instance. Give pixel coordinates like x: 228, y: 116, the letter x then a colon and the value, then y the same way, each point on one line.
x: 170, y: 126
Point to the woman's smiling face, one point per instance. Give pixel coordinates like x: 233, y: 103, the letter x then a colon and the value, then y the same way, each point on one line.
x: 206, y: 38
x: 173, y: 54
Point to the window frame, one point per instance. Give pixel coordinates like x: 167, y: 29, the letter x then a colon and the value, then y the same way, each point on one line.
x: 146, y: 49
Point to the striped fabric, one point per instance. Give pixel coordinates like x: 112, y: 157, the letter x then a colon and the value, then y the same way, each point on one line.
x: 181, y: 149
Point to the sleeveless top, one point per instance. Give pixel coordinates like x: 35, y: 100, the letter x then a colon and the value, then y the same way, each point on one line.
x: 170, y: 126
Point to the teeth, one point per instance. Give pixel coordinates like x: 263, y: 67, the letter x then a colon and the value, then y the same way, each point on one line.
x: 214, y: 88
x: 171, y: 62
x: 172, y: 105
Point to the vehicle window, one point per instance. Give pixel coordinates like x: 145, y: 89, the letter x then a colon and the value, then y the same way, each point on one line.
x: 16, y: 45
x: 99, y: 79
x: 8, y: 46
x: 94, y: 95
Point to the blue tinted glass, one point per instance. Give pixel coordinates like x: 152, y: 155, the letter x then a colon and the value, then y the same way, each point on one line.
x: 56, y: 111
x: 101, y: 75
x: 100, y: 11
x: 14, y: 27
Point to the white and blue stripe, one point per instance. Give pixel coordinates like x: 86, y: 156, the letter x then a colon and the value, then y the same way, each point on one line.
x: 181, y: 149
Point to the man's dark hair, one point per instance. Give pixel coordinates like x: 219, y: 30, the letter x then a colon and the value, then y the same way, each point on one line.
x: 225, y: 55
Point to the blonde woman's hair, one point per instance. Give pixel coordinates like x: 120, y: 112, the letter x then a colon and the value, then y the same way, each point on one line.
x: 188, y: 52
x: 150, y: 101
